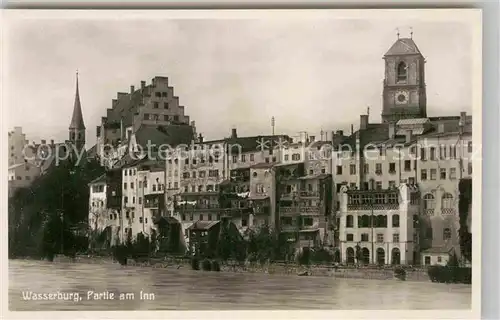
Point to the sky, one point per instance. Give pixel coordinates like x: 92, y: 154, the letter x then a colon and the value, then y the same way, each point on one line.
x: 311, y: 75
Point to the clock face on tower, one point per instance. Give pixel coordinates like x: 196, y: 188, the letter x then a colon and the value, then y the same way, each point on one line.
x: 401, y: 97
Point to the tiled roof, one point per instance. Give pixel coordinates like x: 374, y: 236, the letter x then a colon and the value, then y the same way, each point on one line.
x: 315, y: 176
x: 263, y: 165
x: 403, y: 46
x: 253, y: 143
x: 172, y: 135
x: 100, y: 179
x: 203, y: 225
x: 125, y: 108
x: 438, y: 250
x: 419, y: 121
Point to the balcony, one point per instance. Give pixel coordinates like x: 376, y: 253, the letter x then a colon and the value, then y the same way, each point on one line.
x: 447, y: 211
x: 429, y: 212
x: 198, y: 207
x: 369, y: 207
x: 308, y: 194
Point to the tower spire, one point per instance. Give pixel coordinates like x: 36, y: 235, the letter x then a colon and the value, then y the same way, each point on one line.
x: 397, y: 30
x: 411, y: 32
x: 77, y: 118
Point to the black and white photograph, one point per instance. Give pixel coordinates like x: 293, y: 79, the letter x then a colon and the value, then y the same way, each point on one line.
x: 205, y: 160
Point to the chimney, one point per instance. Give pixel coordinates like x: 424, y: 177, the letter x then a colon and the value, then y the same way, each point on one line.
x: 440, y: 127
x: 44, y: 141
x: 409, y: 136
x: 363, y: 122
x: 340, y: 133
x: 153, y: 82
x: 312, y: 138
x: 352, y: 129
x: 234, y: 133
x: 132, y: 89
x: 200, y: 138
x: 463, y: 116
x: 143, y: 84
x: 392, y: 130
x: 52, y: 142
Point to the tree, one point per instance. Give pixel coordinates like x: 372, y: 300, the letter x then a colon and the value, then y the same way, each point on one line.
x: 464, y: 201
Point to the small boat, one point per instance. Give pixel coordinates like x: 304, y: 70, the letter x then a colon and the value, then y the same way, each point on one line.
x: 303, y: 274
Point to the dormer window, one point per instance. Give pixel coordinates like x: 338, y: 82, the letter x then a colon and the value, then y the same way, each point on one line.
x: 402, y: 72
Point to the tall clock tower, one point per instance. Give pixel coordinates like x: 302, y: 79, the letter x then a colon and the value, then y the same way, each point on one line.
x: 404, y: 83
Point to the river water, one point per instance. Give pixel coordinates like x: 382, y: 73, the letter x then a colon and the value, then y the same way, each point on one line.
x: 183, y: 289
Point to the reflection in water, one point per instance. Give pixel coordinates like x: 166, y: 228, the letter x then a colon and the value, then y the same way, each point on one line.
x: 184, y: 289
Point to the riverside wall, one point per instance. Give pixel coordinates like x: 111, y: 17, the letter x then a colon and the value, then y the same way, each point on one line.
x: 271, y: 268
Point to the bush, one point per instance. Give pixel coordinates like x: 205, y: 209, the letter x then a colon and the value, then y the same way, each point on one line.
x: 195, y: 263
x: 322, y: 255
x: 206, y: 265
x: 450, y: 274
x: 215, y: 266
x: 400, y: 273
x: 120, y: 254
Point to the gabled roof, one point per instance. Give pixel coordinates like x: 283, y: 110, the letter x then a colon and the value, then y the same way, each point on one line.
x: 411, y: 122
x: 100, y: 179
x: 403, y: 46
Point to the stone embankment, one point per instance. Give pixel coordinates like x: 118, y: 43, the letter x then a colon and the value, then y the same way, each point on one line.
x: 272, y: 268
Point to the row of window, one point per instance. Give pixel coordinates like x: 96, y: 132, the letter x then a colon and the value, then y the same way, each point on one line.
x: 98, y: 188
x: 21, y: 178
x: 447, y: 201
x: 144, y: 184
x: 201, y: 174
x: 160, y: 94
x: 379, y: 221
x: 156, y: 117
x: 295, y: 157
x: 365, y: 237
x: 98, y: 204
x: 407, y: 167
x: 209, y: 218
x: 209, y: 188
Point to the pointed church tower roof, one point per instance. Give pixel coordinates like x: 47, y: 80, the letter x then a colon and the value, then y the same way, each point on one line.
x: 77, y: 119
x: 403, y: 46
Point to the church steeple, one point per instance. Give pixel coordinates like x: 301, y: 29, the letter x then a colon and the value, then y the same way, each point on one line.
x: 77, y: 126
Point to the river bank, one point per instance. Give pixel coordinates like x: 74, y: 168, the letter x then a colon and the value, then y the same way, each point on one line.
x: 271, y: 268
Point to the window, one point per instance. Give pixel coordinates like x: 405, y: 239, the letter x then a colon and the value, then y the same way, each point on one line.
x: 439, y: 259
x: 349, y: 222
x: 157, y: 94
x: 125, y: 199
x: 286, y: 157
x: 395, y: 237
x: 201, y: 217
x: 165, y: 118
x: 378, y: 168
x: 296, y: 157
x: 423, y: 174
x: 339, y: 169
x: 244, y: 222
x: 140, y: 220
x: 433, y: 174
x: 364, y: 237
x: 407, y: 165
x: 155, y: 105
x: 447, y: 201
x: 427, y: 260
x: 453, y: 173
x: 442, y: 152
x: 352, y: 169
x: 323, y: 170
x: 145, y: 183
x: 125, y: 173
x: 402, y: 72
x: 392, y: 184
x: 165, y: 105
x: 209, y: 217
x: 469, y: 147
x: 163, y: 94
x: 154, y: 187
x: 380, y: 237
x: 366, y: 168
x: 176, y: 185
x: 453, y: 152
x: 183, y: 217
x: 140, y: 200
x: 422, y: 154
x: 191, y: 218
x: 133, y: 200
x: 432, y: 153
x: 235, y: 159
x: 392, y: 167
x: 469, y: 168
x: 311, y: 172
x: 176, y: 118
x: 395, y: 221
x: 411, y: 180
x: 308, y: 221
x: 260, y: 188
x: 243, y: 158
x: 349, y: 237
x: 352, y: 185
x: 446, y: 234
x: 202, y: 174
x: 124, y: 186
x: 131, y: 185
x: 146, y: 116
x: 442, y: 173
x: 127, y: 215
x: 378, y: 185
x: 429, y: 201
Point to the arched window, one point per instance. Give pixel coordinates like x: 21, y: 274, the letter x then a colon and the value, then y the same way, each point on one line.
x: 429, y: 202
x: 402, y: 72
x: 446, y: 234
x: 349, y: 221
x: 395, y: 221
x: 447, y: 201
